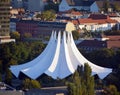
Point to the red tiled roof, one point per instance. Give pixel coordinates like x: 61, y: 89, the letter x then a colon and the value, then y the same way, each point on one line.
x: 70, y: 12
x: 75, y: 13
x: 98, y: 21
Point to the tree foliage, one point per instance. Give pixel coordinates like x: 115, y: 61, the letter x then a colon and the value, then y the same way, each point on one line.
x: 112, y: 32
x: 82, y: 83
x: 116, y: 7
x: 111, y: 90
x: 15, y: 35
x: 106, y: 5
x: 103, y: 57
x: 35, y: 84
x: 48, y: 15
x: 0, y: 77
x: 76, y: 35
x: 8, y: 77
x: 17, y: 53
x: 52, y: 6
x: 1, y: 69
x: 28, y: 84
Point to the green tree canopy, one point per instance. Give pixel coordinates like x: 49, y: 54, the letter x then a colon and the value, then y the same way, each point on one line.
x: 48, y: 15
x: 15, y: 35
x: 29, y: 84
x: 116, y: 7
x: 111, y: 90
x: 83, y: 82
x: 76, y: 34
x: 0, y: 77
x: 52, y: 6
x: 35, y: 84
x: 8, y: 76
x: 106, y: 5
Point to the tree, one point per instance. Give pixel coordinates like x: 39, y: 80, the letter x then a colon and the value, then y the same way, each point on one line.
x: 48, y: 15
x: 76, y: 34
x: 111, y: 90
x: 52, y: 6
x: 8, y: 77
x: 26, y: 84
x: 0, y: 77
x: 118, y: 55
x: 35, y: 84
x: 38, y: 16
x: 83, y: 82
x: 1, y: 68
x: 29, y: 84
x: 12, y: 62
x: 88, y: 79
x: 103, y: 57
x: 15, y: 35
x: 75, y: 86
x: 116, y: 7
x: 106, y: 5
x: 27, y: 35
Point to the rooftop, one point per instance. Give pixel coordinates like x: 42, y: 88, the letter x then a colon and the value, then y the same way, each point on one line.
x: 92, y: 43
x: 112, y: 42
x: 98, y: 16
x: 79, y: 3
x: 97, y: 21
x: 114, y: 38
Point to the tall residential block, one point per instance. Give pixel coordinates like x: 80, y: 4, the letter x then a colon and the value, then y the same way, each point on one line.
x: 4, y: 17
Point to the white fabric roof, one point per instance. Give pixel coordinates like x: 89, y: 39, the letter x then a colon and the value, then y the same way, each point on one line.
x: 59, y: 60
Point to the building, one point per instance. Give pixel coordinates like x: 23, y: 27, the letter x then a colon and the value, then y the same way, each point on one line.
x: 113, y: 42
x: 70, y: 13
x: 63, y: 58
x: 75, y: 4
x: 5, y: 22
x: 92, y: 44
x: 115, y: 16
x: 38, y: 29
x: 96, y: 22
x: 6, y: 39
x: 17, y: 11
x: 100, y: 43
x: 4, y: 17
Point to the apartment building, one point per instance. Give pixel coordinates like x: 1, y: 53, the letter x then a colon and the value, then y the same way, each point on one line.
x: 4, y: 17
x: 38, y: 29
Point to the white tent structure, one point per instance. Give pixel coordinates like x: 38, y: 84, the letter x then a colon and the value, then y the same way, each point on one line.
x: 59, y: 60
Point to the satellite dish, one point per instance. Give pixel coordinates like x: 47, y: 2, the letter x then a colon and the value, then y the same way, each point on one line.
x: 69, y: 27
